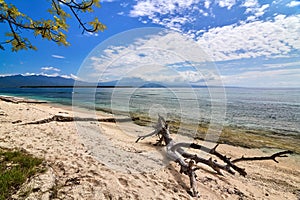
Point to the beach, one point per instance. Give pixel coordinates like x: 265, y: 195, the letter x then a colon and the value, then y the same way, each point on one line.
x: 76, y: 170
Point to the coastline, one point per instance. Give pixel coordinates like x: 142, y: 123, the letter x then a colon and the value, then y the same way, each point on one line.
x: 231, y: 134
x: 69, y: 158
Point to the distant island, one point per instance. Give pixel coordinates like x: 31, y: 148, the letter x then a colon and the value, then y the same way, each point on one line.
x: 41, y: 81
x: 72, y: 86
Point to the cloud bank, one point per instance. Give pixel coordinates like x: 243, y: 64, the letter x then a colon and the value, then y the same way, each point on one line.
x: 50, y: 69
x: 278, y: 37
x: 162, y: 57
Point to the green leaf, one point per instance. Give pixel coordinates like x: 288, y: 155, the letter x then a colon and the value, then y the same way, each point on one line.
x: 51, y: 29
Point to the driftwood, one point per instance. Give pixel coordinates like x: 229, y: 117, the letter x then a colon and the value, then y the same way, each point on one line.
x: 62, y: 118
x: 17, y: 100
x: 273, y: 157
x: 188, y: 161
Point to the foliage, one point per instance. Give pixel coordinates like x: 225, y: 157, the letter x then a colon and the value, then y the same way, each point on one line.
x: 15, y: 168
x: 51, y: 29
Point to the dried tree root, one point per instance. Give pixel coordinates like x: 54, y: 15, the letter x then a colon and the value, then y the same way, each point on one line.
x: 176, y: 152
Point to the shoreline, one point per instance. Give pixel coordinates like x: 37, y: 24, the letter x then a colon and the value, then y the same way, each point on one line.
x: 231, y: 134
x: 75, y: 171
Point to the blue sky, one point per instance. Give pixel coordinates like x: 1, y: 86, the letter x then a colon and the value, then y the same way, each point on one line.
x: 250, y: 43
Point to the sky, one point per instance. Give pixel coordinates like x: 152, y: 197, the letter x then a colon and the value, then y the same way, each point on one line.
x: 245, y: 43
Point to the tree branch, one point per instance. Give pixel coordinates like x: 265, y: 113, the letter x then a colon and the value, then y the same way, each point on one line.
x: 145, y: 136
x: 213, y: 151
x: 51, y: 29
x: 176, y: 152
x: 73, y: 4
x: 273, y: 157
x: 81, y: 23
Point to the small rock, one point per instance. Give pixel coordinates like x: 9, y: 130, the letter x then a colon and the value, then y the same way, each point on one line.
x: 2, y: 113
x: 238, y: 192
x: 36, y: 189
x: 224, y: 196
x: 230, y: 191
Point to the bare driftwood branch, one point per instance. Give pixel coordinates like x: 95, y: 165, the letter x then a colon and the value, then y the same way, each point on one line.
x: 158, y: 130
x: 273, y: 157
x: 213, y: 151
x: 188, y: 161
x: 145, y: 136
x: 61, y: 118
x: 213, y: 164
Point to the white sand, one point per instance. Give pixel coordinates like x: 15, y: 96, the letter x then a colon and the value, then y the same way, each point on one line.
x: 118, y: 168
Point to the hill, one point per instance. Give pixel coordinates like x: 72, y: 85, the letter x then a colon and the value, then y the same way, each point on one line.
x: 16, y: 81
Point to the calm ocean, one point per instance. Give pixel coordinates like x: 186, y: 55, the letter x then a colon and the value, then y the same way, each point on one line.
x: 276, y: 110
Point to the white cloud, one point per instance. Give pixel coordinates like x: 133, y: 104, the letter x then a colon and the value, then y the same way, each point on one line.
x: 267, y: 78
x: 4, y: 75
x: 159, y: 57
x: 261, y: 11
x: 251, y: 18
x: 71, y: 76
x: 30, y: 74
x: 250, y: 4
x: 40, y: 74
x: 169, y: 13
x: 152, y: 7
x: 124, y: 4
x: 281, y: 65
x: 226, y: 3
x: 89, y: 34
x: 163, y: 12
x: 74, y: 77
x: 49, y: 75
x: 50, y: 69
x: 153, y: 58
x: 57, y: 56
x: 253, y: 39
x: 253, y: 7
x: 174, y: 23
x: 293, y: 4
x: 207, y: 4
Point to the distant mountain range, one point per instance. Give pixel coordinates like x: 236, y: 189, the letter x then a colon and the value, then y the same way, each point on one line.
x: 21, y: 81
x: 35, y: 81
x: 16, y: 81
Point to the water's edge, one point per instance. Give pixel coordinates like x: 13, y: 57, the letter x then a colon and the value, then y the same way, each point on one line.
x: 233, y: 134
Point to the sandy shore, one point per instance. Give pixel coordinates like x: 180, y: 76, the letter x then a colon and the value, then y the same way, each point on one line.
x: 100, y: 160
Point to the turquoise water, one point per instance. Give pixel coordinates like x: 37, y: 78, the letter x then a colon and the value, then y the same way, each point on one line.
x: 276, y: 110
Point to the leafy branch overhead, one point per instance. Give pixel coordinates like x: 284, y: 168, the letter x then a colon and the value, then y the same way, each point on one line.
x: 51, y: 29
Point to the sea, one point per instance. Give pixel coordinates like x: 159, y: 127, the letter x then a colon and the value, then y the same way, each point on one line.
x: 275, y: 110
